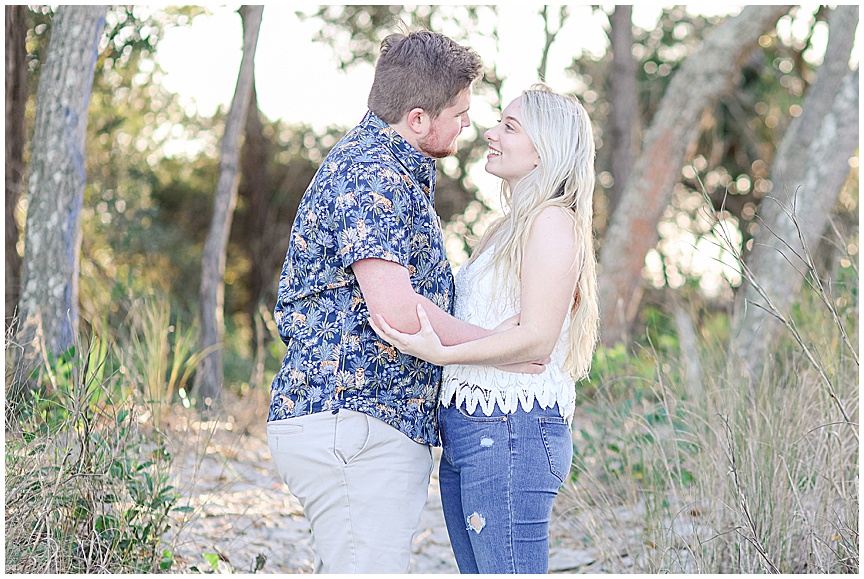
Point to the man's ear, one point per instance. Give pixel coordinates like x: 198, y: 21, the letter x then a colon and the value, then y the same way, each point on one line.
x: 418, y: 121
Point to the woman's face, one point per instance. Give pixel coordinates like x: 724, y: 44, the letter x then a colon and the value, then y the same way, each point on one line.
x: 511, y: 153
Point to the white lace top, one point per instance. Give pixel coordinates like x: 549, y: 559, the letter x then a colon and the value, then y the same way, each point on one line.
x: 479, y: 302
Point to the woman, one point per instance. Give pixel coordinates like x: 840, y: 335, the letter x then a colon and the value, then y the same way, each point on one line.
x: 506, y: 437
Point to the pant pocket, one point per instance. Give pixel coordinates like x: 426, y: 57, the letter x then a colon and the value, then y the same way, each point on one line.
x: 284, y: 437
x: 559, y: 445
x: 351, y: 435
x: 280, y: 431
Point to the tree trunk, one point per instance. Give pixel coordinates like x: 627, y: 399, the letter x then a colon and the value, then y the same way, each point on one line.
x: 209, y: 375
x: 810, y: 169
x: 625, y: 105
x: 52, y: 240
x: 702, y: 79
x: 688, y: 343
x: 16, y: 136
x: 257, y: 191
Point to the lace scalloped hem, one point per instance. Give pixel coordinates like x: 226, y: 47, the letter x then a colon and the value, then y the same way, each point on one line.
x: 508, y: 400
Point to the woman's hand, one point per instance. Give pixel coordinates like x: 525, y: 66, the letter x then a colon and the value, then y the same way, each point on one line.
x: 425, y: 344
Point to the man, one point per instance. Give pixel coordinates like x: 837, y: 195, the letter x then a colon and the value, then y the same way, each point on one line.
x: 351, y: 419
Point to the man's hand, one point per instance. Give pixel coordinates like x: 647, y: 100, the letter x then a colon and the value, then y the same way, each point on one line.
x: 508, y: 324
x: 425, y: 344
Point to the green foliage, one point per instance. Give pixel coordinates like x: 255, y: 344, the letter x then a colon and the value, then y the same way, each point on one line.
x: 162, y: 354
x: 629, y: 369
x: 612, y: 364
x: 87, y: 481
x: 213, y: 560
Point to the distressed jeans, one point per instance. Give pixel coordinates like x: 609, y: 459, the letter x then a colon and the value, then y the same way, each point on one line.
x: 362, y: 484
x: 499, y: 476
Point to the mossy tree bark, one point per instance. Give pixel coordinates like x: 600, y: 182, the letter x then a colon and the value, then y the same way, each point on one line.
x: 48, y: 309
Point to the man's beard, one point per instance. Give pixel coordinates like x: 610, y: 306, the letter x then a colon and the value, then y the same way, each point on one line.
x: 433, y: 150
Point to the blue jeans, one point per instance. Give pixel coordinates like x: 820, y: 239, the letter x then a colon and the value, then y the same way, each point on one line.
x: 499, y: 476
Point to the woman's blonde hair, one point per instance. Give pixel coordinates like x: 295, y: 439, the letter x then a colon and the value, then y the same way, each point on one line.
x: 560, y: 130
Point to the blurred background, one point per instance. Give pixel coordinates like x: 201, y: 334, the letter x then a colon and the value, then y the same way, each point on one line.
x: 726, y: 224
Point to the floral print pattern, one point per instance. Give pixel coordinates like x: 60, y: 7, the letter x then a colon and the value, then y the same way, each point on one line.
x: 372, y: 197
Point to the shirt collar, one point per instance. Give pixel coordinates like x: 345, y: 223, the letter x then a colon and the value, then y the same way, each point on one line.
x: 417, y: 164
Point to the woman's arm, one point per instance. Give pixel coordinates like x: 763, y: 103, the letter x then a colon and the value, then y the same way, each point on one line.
x: 387, y: 290
x: 549, y: 274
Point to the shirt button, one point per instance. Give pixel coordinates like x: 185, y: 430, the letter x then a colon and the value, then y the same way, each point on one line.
x: 504, y: 419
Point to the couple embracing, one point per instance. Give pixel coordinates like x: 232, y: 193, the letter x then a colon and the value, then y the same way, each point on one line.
x: 388, y: 354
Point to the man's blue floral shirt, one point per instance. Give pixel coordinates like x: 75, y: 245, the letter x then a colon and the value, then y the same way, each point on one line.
x: 372, y: 197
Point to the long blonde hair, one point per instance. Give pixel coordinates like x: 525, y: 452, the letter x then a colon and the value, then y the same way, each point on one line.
x: 560, y: 130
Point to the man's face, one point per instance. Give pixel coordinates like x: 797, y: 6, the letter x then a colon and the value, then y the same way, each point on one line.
x: 440, y: 141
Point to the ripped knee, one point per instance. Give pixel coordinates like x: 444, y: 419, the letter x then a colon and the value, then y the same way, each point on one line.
x: 476, y: 522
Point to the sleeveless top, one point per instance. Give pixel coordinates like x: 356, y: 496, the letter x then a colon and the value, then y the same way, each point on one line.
x: 479, y: 302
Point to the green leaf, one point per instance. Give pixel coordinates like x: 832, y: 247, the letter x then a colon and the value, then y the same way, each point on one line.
x: 105, y: 522
x: 213, y: 559
x: 121, y: 416
x: 687, y: 477
x: 165, y: 564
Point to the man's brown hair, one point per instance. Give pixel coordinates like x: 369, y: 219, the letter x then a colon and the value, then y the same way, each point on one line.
x: 423, y: 70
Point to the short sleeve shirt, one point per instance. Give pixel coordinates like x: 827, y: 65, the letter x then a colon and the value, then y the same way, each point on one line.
x: 372, y: 197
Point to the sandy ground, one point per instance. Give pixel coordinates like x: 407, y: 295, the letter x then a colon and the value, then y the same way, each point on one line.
x: 244, y: 514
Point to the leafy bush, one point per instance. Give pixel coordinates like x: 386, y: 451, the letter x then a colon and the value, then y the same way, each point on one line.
x: 87, y: 468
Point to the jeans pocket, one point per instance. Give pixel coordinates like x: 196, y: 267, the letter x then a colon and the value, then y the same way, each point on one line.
x: 559, y: 445
x: 478, y: 414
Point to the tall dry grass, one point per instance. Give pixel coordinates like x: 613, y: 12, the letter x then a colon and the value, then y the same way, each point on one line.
x: 736, y: 475
x: 88, y: 469
x: 722, y: 484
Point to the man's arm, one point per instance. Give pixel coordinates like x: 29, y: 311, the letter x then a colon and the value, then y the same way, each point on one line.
x: 386, y: 287
x: 548, y: 282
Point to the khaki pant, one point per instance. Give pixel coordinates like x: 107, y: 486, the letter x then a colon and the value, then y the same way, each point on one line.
x: 362, y: 484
